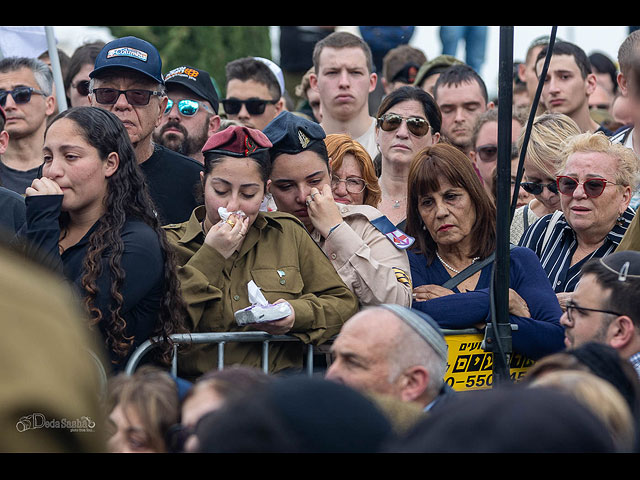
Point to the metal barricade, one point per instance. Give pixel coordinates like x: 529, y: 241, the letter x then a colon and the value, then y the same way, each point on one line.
x: 221, y: 338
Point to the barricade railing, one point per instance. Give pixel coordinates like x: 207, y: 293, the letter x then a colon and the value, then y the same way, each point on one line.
x: 221, y: 338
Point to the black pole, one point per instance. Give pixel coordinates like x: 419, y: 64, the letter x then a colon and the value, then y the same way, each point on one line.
x: 498, y: 331
x: 501, y: 325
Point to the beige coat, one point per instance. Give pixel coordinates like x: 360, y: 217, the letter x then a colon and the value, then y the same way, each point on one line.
x: 367, y: 261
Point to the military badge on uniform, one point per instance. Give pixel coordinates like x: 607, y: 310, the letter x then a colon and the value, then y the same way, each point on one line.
x: 304, y: 140
x: 398, y: 237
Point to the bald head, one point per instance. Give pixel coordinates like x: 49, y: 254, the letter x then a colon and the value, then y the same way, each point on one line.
x: 378, y: 352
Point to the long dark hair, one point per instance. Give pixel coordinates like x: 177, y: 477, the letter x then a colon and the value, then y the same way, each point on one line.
x: 447, y: 161
x: 127, y: 197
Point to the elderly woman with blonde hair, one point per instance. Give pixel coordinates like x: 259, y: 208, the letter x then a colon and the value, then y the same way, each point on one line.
x: 549, y: 132
x: 595, y: 182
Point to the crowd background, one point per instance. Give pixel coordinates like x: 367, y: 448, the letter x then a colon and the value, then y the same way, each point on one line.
x: 255, y: 414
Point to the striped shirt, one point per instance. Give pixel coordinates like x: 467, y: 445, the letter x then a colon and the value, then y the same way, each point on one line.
x: 635, y: 361
x: 555, y: 256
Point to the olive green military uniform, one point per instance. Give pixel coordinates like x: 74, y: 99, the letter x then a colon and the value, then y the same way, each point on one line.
x: 281, y: 258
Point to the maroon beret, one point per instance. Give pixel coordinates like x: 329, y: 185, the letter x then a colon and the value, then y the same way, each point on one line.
x: 237, y: 141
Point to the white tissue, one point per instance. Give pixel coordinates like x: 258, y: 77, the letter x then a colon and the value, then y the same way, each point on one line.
x: 260, y: 310
x: 224, y: 213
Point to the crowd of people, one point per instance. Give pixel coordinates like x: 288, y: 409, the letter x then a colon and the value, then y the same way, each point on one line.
x: 158, y: 207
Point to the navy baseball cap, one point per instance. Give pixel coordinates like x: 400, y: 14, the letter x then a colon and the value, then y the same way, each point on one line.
x: 197, y: 81
x: 130, y: 52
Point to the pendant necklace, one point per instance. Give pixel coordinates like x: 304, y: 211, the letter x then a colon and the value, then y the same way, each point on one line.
x: 449, y: 266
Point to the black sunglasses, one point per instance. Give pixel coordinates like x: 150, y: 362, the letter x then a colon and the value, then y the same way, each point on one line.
x: 254, y: 106
x: 136, y: 97
x: 19, y: 94
x: 537, y: 188
x: 391, y: 121
x: 82, y: 87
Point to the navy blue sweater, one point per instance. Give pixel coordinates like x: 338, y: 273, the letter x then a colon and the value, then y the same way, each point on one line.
x: 535, y: 337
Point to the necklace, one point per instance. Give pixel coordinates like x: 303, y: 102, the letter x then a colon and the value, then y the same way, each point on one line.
x: 396, y: 203
x: 449, y: 266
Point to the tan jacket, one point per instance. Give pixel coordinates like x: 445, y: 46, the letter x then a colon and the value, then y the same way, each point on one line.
x: 631, y: 239
x: 281, y: 258
x: 367, y: 261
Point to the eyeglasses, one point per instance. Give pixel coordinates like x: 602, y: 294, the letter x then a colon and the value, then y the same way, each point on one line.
x: 19, y: 94
x: 254, y: 106
x: 537, y: 188
x: 186, y: 107
x: 352, y: 184
x: 82, y: 87
x: 391, y: 121
x: 487, y: 153
x: 135, y: 97
x: 592, y: 187
x: 570, y: 306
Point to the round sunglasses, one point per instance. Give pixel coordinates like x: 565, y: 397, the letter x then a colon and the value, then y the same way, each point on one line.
x: 186, y: 107
x: 82, y: 87
x: 20, y: 95
x: 592, y: 187
x: 391, y: 121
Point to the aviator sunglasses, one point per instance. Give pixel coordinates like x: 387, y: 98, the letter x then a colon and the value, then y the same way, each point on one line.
x: 186, y: 107
x: 136, y: 97
x: 592, y: 187
x: 19, y: 94
x: 254, y: 106
x: 392, y: 121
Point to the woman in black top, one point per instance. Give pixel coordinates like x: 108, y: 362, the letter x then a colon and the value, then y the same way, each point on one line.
x: 90, y: 213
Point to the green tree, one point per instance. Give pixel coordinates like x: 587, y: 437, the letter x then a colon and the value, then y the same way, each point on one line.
x: 209, y: 48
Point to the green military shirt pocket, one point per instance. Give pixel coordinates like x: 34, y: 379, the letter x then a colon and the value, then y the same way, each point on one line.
x: 276, y: 283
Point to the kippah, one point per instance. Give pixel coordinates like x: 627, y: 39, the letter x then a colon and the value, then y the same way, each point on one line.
x: 625, y: 264
x: 291, y: 134
x: 423, y: 324
x: 237, y: 141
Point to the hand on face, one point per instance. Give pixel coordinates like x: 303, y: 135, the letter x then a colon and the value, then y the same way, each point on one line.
x: 227, y: 238
x: 43, y: 186
x: 322, y: 210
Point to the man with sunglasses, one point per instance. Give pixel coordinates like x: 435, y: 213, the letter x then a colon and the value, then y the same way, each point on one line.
x: 191, y: 116
x: 26, y: 87
x: 254, y: 92
x: 604, y: 308
x: 127, y: 81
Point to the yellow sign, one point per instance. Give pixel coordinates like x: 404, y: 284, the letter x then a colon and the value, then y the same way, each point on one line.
x: 469, y: 367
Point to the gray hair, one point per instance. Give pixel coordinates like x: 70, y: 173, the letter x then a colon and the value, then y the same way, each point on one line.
x: 41, y: 71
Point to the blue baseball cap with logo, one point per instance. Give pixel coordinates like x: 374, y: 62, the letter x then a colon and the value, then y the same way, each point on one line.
x: 130, y: 52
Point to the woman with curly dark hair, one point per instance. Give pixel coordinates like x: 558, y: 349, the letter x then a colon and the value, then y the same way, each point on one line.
x: 91, y: 214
